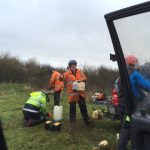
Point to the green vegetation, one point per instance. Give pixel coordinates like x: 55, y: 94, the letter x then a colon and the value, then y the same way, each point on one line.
x: 12, y: 99
x: 37, y: 75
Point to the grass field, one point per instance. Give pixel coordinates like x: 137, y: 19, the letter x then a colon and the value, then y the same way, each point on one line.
x: 12, y: 99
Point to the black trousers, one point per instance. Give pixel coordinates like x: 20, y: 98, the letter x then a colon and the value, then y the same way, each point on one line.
x: 57, y: 97
x: 124, y: 135
x: 2, y: 139
x: 31, y: 118
x: 122, y: 112
x: 83, y: 110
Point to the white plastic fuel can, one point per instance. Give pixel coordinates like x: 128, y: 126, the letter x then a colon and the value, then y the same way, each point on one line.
x: 58, y: 113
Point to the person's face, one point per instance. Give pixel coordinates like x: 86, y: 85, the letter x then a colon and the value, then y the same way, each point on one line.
x: 73, y: 67
x: 131, y: 67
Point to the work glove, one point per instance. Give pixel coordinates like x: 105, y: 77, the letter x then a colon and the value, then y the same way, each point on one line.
x: 127, y: 122
x: 48, y: 114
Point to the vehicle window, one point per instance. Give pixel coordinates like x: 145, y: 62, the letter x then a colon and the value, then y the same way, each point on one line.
x: 134, y: 36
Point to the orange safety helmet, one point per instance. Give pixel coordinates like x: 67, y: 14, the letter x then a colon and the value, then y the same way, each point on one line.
x: 131, y: 60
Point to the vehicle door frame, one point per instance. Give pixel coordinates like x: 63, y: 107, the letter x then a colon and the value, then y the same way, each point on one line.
x: 110, y: 18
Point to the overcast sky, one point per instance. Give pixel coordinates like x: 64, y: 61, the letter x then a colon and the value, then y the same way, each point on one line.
x: 55, y: 31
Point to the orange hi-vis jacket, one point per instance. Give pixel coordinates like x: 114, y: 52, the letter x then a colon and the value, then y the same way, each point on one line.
x: 55, y: 81
x: 70, y: 78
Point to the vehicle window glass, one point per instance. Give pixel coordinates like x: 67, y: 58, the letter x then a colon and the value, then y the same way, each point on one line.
x: 134, y: 36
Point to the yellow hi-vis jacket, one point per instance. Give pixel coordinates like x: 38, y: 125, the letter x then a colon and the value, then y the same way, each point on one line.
x: 38, y: 99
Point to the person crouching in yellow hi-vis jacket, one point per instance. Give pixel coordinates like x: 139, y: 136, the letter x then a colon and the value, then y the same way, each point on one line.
x: 34, y: 110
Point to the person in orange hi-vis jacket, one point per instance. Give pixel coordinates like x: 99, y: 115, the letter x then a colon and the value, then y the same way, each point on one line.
x: 71, y: 75
x: 56, y: 83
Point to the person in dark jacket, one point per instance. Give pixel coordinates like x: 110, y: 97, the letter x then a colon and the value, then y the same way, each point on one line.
x: 138, y: 84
